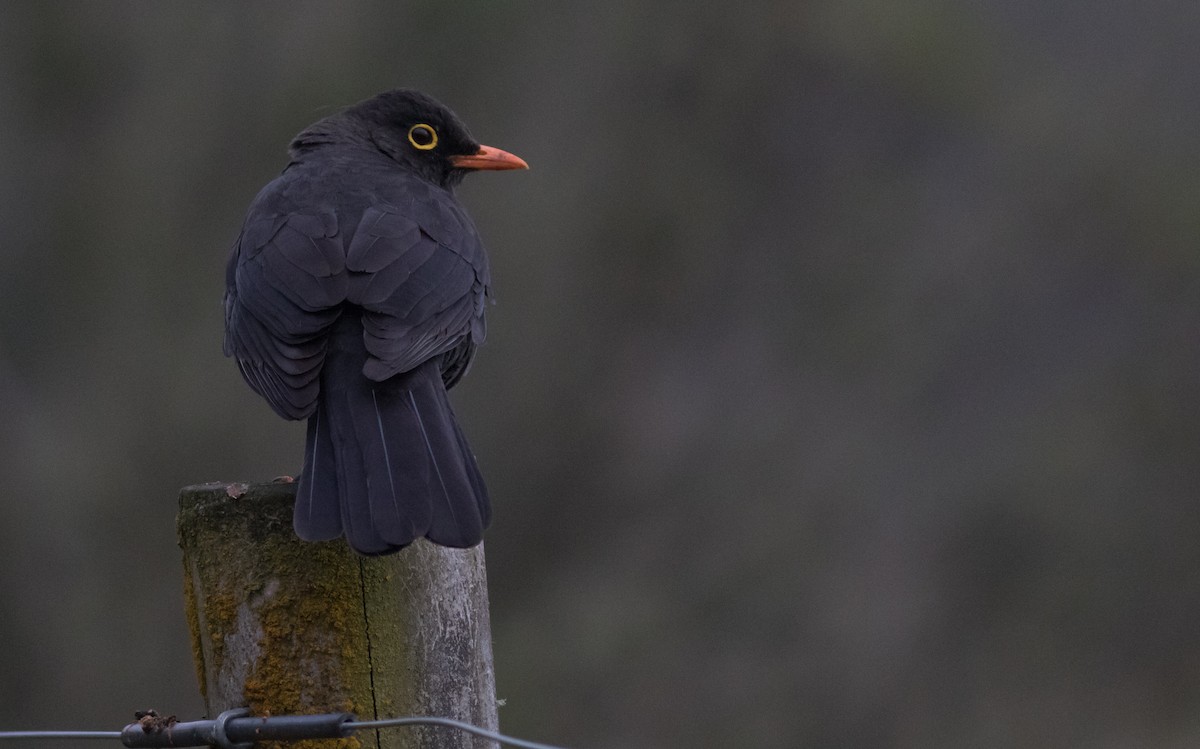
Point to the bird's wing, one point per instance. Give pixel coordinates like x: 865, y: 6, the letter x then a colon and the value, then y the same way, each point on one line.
x: 420, y: 274
x: 284, y: 283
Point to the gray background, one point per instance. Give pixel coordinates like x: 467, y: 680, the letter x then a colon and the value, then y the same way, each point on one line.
x: 841, y: 389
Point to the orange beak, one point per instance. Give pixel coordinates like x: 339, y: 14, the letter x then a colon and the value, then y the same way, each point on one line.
x: 489, y: 158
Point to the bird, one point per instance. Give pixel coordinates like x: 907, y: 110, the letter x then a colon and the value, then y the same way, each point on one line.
x: 354, y: 300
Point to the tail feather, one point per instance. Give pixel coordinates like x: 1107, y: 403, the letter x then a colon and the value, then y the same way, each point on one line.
x: 398, y: 471
x: 483, y: 504
x: 454, y: 482
x: 318, y: 515
x: 352, y: 419
x: 386, y: 462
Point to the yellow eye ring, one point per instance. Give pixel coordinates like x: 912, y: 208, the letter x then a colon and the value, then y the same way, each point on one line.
x: 423, y: 137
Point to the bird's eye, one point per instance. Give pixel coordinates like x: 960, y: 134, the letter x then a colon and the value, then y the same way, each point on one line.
x: 422, y: 136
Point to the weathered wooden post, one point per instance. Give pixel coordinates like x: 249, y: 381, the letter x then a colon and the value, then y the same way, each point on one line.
x: 287, y: 627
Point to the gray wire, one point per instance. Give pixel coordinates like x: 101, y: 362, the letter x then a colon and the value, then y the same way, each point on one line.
x: 353, y: 725
x: 60, y: 734
x: 391, y: 722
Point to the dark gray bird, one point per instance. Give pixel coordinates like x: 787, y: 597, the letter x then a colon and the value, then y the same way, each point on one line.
x: 355, y: 299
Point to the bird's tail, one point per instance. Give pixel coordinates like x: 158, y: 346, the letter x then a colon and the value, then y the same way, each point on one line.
x: 386, y: 463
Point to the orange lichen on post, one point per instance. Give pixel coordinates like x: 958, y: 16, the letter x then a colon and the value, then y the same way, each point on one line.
x: 276, y: 622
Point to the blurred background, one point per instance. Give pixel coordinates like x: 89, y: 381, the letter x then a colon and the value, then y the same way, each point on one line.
x: 841, y: 389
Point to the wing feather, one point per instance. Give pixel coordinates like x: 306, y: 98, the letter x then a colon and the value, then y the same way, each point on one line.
x: 420, y: 274
x: 285, y: 282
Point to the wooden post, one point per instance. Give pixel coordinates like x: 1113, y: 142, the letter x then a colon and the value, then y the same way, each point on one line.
x: 287, y: 627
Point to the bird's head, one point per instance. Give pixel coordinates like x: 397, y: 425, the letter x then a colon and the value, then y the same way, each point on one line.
x: 414, y: 130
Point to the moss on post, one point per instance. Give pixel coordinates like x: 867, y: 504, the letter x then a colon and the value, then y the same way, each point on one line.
x: 287, y: 627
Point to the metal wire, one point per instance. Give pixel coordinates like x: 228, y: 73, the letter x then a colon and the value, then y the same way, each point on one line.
x: 392, y: 722
x: 350, y: 725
